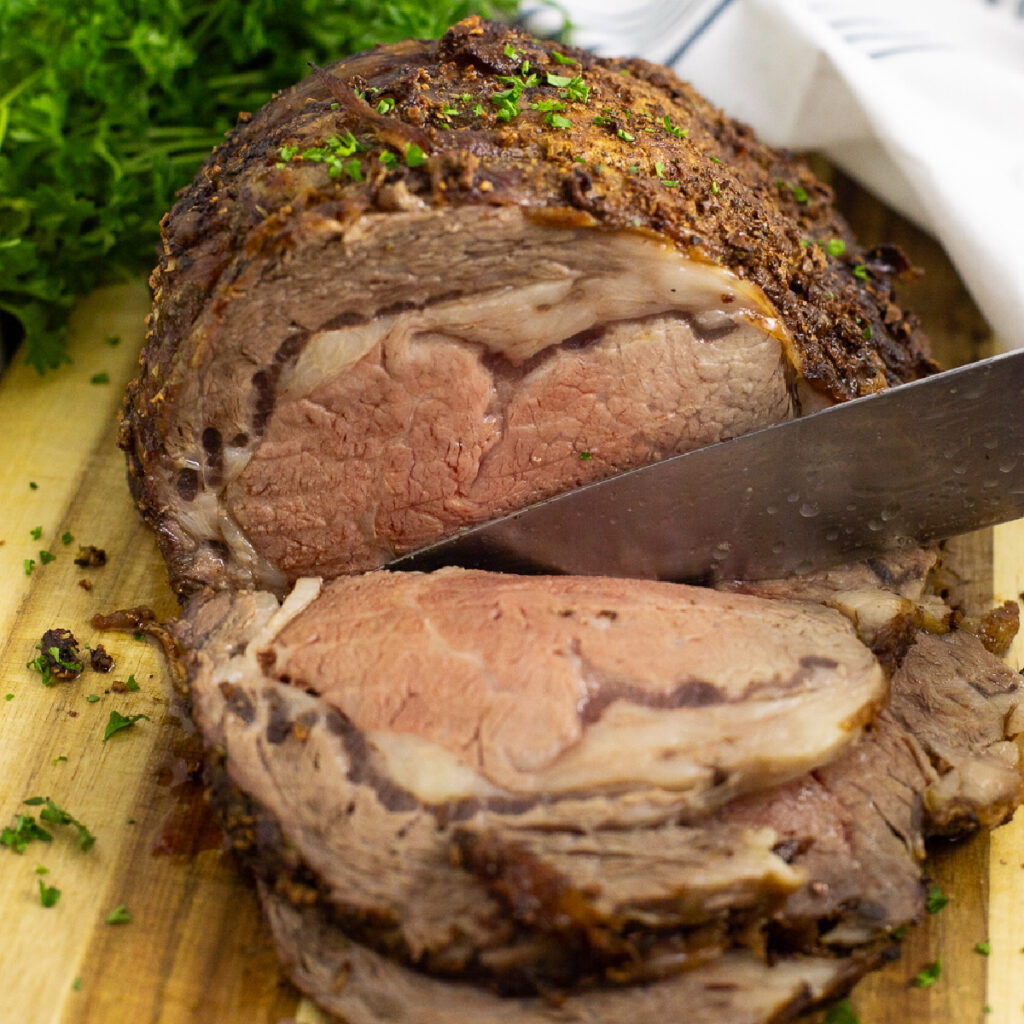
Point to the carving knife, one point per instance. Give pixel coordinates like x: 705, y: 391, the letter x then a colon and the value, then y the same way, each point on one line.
x: 918, y: 463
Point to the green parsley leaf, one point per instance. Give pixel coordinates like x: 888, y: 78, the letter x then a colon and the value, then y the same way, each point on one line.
x: 800, y: 193
x: 983, y: 948
x: 386, y: 105
x: 117, y: 722
x: 45, y: 557
x: 561, y: 58
x: 414, y: 155
x: 585, y: 456
x: 24, y: 831
x: 41, y: 870
x: 77, y: 984
x: 33, y: 486
x: 478, y: 110
x: 715, y: 188
x: 714, y: 159
x: 841, y: 1013
x: 898, y: 933
x: 928, y: 975
x: 58, y: 759
x: 625, y: 136
x: 113, y: 341
x: 559, y: 81
x: 36, y: 532
x: 9, y: 696
x: 354, y: 169
x: 867, y: 333
x: 835, y: 247
x: 58, y: 816
x: 860, y: 271
x: 48, y: 895
x: 29, y: 566
x: 100, y: 378
x: 118, y: 915
x: 130, y: 685
x: 558, y: 121
x: 679, y: 133
x: 577, y: 90
x: 66, y: 538
x: 511, y: 51
x: 935, y: 901
x: 92, y: 698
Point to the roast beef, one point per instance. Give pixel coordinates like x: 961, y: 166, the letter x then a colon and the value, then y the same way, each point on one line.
x: 447, y: 278
x: 407, y: 764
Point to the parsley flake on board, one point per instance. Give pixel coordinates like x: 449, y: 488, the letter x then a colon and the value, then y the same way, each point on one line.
x: 561, y: 58
x: 66, y: 537
x: 45, y: 557
x: 119, y: 915
x: 679, y: 133
x: 860, y: 271
x: 983, y: 948
x: 100, y: 378
x: 130, y: 685
x: 24, y: 831
x: 841, y: 1013
x: 835, y: 247
x: 928, y: 975
x: 117, y: 722
x: 36, y: 532
x: 935, y: 901
x: 48, y: 895
x: 414, y: 155
x: 55, y: 815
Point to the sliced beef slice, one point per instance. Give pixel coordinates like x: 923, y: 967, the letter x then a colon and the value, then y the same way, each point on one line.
x: 505, y: 761
x: 340, y: 370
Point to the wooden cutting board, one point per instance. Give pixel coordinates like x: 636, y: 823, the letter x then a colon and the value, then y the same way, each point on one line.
x: 195, y: 950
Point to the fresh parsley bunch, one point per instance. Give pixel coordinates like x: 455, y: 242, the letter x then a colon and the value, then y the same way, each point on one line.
x: 107, y: 107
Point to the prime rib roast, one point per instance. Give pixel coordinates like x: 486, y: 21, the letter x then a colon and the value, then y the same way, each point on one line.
x: 349, y: 357
x: 439, y: 281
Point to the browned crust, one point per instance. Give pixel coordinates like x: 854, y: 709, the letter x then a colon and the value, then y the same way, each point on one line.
x: 735, y: 204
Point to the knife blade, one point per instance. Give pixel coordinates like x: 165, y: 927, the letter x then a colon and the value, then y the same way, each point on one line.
x: 918, y: 463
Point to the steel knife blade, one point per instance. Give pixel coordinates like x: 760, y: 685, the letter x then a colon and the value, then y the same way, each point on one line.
x: 915, y: 464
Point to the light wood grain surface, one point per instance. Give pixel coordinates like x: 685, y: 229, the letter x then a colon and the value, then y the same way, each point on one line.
x: 196, y: 950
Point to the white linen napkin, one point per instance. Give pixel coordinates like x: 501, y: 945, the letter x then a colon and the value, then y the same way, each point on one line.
x: 922, y: 101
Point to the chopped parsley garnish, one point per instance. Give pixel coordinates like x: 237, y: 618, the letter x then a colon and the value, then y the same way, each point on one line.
x: 58, y: 816
x: 898, y: 933
x: 29, y: 566
x: 117, y: 722
x: 714, y: 159
x: 935, y: 901
x: 841, y: 1013
x: 414, y: 155
x: 478, y: 110
x: 58, y: 759
x: 92, y: 698
x: 558, y: 121
x: 33, y: 486
x: 561, y: 58
x: 559, y: 81
x: 45, y: 557
x: 835, y: 247
x: 48, y: 895
x: 860, y: 271
x: 800, y: 193
x: 511, y: 51
x: 679, y: 133
x: 867, y: 333
x: 983, y: 948
x: 601, y: 119
x: 119, y: 915
x: 100, y: 378
x: 386, y: 105
x: 24, y: 831
x: 41, y: 870
x: 9, y: 696
x: 352, y: 168
x: 928, y: 975
x: 546, y: 105
x: 66, y: 538
x: 130, y: 685
x: 715, y: 188
x: 36, y: 532
x: 625, y: 136
x: 585, y: 456
x: 113, y: 341
x: 77, y: 984
x: 507, y: 101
